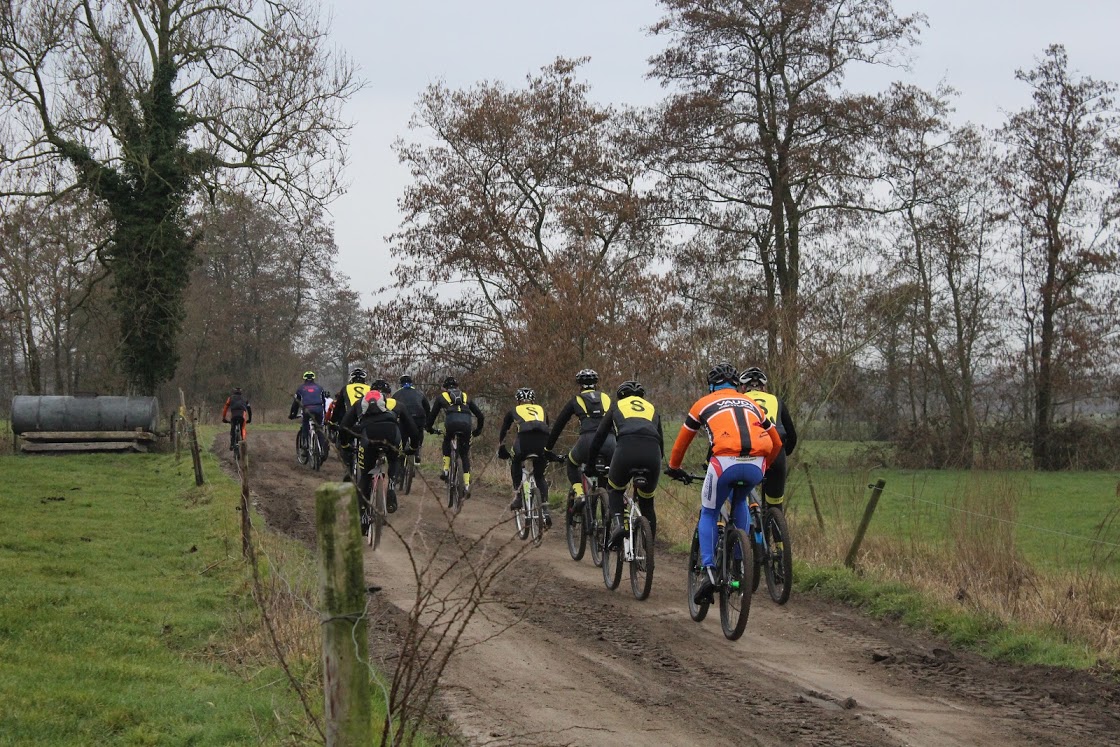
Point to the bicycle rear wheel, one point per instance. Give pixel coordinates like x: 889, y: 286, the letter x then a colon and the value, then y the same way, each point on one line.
x: 575, y: 529
x: 612, y: 565
x: 734, y: 597
x: 459, y: 489
x: 380, y: 509
x: 317, y: 457
x: 641, y: 567
x: 303, y: 452
x: 408, y: 474
x: 595, y: 516
x: 779, y: 565
x: 536, y: 516
x: 695, y: 579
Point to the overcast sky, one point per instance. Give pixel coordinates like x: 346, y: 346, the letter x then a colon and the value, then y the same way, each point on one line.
x: 404, y: 45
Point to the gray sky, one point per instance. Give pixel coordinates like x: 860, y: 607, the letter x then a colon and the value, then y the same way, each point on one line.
x: 404, y: 45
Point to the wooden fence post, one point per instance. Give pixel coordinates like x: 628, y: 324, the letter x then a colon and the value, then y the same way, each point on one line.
x: 876, y: 491
x: 243, y: 468
x: 345, y: 639
x: 813, y: 493
x: 195, y: 455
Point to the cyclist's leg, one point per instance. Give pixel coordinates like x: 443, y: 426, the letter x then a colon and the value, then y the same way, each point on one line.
x: 465, y: 455
x: 418, y: 443
x: 447, y: 434
x: 232, y: 432
x: 577, y: 456
x: 774, y: 483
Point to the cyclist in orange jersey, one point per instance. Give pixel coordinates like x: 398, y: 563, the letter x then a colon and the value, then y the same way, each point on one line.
x: 744, y: 442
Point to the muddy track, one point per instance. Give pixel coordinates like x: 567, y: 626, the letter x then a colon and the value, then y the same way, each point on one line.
x: 555, y: 658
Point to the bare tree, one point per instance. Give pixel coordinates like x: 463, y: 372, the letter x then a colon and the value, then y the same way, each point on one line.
x: 143, y: 103
x: 526, y: 230
x: 761, y: 123
x: 1061, y: 175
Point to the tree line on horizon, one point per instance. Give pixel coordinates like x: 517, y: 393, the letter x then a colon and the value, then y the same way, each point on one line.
x: 901, y: 275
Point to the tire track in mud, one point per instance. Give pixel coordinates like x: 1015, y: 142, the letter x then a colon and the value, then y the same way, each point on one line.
x: 578, y: 664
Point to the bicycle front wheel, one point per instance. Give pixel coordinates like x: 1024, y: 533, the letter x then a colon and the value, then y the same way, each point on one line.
x: 575, y: 529
x: 695, y: 579
x: 380, y: 509
x: 595, y: 516
x: 734, y: 594
x: 641, y: 567
x: 779, y: 565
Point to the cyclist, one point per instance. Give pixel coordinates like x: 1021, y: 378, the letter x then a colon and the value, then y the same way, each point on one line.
x: 532, y: 435
x: 589, y: 405
x: 417, y: 405
x: 349, y: 397
x: 312, y: 399
x: 640, y: 444
x: 379, y: 421
x: 752, y: 382
x: 743, y: 442
x: 237, y: 412
x: 457, y: 421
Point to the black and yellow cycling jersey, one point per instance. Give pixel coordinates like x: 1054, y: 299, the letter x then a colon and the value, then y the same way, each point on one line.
x: 353, y: 393
x: 630, y: 419
x: 590, y: 405
x: 527, y: 418
x: 458, y: 408
x: 776, y: 411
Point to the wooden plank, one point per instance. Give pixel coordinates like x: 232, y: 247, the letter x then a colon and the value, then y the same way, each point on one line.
x: 77, y: 447
x: 88, y: 436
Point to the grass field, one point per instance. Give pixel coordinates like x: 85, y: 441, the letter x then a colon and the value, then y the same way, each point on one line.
x: 126, y: 615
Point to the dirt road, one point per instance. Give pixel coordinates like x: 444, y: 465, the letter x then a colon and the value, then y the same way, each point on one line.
x: 558, y: 659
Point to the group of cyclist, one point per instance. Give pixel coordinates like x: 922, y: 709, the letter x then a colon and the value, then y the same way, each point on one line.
x: 750, y: 433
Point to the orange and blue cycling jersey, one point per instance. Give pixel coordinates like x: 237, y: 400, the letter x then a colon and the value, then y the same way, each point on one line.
x: 736, y: 427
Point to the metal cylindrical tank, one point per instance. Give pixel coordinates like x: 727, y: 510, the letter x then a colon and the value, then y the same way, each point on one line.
x: 64, y: 413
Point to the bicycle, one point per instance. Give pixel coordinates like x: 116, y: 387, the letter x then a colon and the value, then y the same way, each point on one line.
x: 637, y: 545
x: 313, y: 450
x: 734, y: 569
x: 408, y: 471
x: 530, y: 517
x: 588, y: 522
x: 456, y: 483
x: 374, y: 508
x: 772, y: 557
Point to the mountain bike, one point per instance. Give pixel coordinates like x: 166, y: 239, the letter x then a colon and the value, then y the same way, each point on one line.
x: 587, y: 523
x: 530, y: 517
x: 374, y: 507
x: 772, y: 556
x: 313, y: 450
x: 734, y: 570
x: 637, y: 544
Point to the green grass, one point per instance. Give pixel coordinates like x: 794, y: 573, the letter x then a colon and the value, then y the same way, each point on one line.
x: 1062, y: 518
x: 119, y: 577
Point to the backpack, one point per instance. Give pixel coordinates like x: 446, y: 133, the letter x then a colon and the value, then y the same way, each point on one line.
x: 592, y: 404
x: 456, y: 400
x: 237, y: 404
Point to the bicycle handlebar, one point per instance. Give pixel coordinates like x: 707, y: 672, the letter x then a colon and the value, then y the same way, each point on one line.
x: 687, y: 478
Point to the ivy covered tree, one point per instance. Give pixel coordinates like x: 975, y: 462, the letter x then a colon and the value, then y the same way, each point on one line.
x: 145, y: 104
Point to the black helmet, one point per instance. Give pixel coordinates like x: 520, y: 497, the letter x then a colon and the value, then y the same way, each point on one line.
x: 587, y: 378
x: 630, y: 389
x: 358, y: 376
x: 525, y: 394
x: 381, y: 385
x: 309, y: 376
x: 755, y: 375
x: 405, y: 380
x: 450, y: 383
x: 722, y: 373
